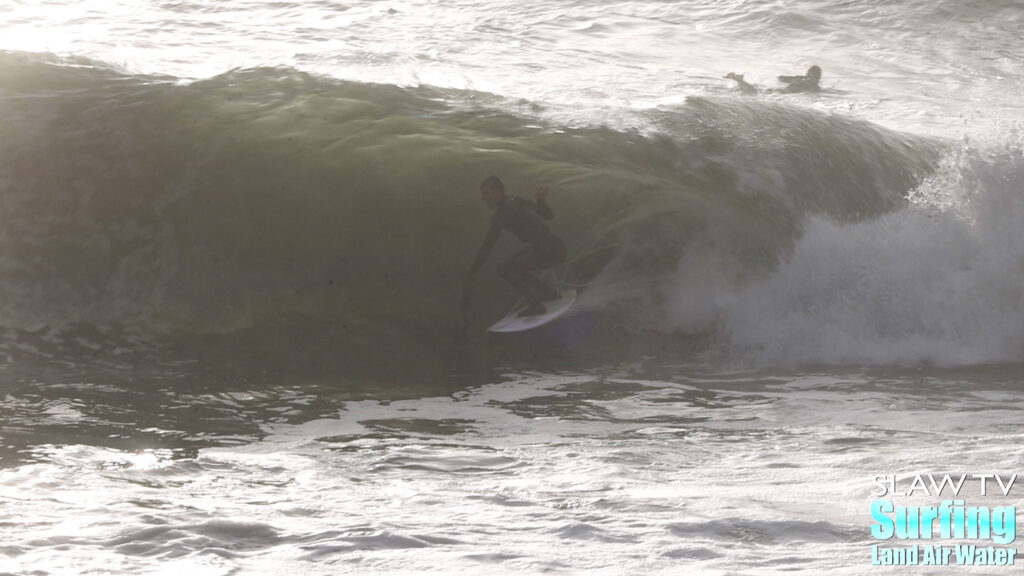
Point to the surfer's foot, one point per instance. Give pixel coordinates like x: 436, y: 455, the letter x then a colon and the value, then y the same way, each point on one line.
x: 534, y: 310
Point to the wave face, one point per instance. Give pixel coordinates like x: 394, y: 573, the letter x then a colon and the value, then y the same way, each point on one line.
x: 265, y: 198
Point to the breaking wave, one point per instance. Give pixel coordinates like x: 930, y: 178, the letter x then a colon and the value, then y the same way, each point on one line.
x: 312, y: 217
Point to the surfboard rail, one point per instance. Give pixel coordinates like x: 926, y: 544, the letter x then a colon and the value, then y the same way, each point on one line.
x: 513, y: 322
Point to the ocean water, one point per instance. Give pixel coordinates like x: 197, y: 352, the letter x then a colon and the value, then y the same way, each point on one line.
x: 233, y: 237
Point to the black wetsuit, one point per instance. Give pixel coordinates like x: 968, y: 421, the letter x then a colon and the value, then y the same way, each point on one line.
x: 524, y: 220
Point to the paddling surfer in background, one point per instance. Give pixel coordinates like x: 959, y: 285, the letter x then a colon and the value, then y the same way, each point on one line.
x: 525, y: 220
x: 809, y: 82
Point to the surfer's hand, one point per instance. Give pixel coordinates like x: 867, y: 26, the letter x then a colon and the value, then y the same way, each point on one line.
x: 542, y: 193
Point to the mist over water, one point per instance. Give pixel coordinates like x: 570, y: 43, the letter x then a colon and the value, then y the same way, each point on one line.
x: 935, y: 282
x: 232, y: 247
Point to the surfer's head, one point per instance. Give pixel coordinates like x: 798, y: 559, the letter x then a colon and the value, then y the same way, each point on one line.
x: 814, y: 74
x: 492, y: 191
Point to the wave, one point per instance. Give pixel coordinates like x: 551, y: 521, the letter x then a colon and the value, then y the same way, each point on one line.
x: 937, y: 282
x: 263, y: 198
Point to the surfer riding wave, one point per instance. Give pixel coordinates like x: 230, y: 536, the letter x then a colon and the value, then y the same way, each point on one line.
x: 524, y: 220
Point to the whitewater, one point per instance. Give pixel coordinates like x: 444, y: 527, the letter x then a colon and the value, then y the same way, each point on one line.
x: 233, y: 239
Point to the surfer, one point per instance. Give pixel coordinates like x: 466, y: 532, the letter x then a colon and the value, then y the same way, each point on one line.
x: 525, y: 220
x: 806, y: 83
x: 744, y: 86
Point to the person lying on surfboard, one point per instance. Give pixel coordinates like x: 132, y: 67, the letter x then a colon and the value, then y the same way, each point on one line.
x: 744, y: 86
x: 525, y: 220
x: 807, y: 83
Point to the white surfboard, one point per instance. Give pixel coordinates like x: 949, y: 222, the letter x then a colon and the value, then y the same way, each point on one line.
x: 513, y: 322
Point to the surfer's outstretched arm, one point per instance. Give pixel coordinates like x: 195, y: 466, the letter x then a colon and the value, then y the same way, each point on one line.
x: 486, y: 247
x: 467, y: 284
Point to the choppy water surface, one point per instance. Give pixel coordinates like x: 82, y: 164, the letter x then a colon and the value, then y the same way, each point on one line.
x: 631, y: 469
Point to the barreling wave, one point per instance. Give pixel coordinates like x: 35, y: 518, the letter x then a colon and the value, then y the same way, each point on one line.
x: 264, y: 198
